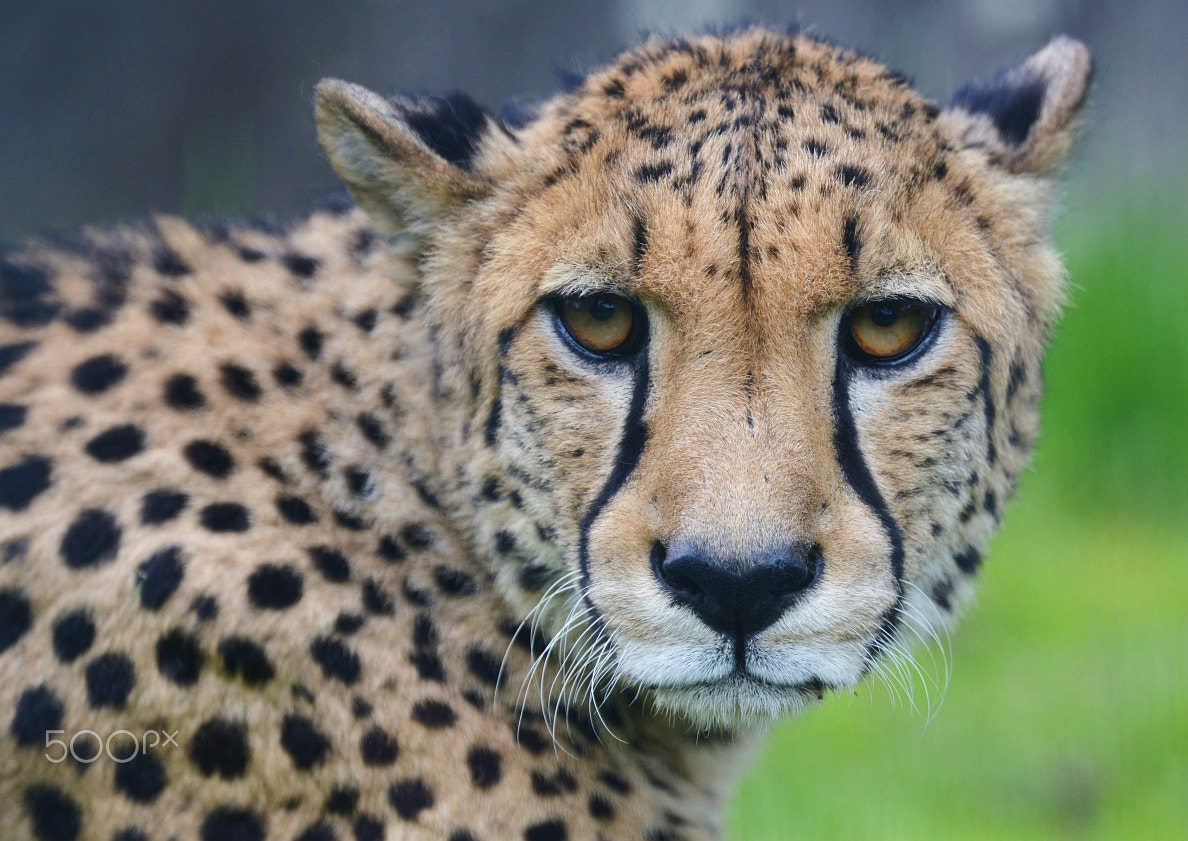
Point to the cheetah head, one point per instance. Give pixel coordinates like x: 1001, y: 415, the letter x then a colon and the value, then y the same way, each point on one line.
x: 738, y: 348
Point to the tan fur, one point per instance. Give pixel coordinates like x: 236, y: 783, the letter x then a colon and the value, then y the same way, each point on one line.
x: 713, y: 181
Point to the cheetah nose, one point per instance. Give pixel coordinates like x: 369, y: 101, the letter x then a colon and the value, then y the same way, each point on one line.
x: 737, y: 599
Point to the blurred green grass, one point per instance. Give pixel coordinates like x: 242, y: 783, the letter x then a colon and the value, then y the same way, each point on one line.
x: 1067, y: 712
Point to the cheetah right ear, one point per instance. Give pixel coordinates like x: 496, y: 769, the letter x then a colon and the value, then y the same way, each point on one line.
x: 409, y: 161
x: 1025, y: 116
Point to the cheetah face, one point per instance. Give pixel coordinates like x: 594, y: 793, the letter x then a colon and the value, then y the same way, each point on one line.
x: 744, y: 336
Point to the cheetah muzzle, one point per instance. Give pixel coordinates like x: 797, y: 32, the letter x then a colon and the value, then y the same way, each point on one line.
x: 587, y: 442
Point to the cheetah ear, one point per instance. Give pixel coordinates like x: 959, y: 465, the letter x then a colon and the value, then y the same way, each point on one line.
x: 1025, y: 116
x: 410, y: 161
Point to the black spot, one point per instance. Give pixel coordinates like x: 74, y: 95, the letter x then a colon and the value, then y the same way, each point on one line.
x: 553, y: 830
x: 337, y: 661
x: 209, y: 458
x: 244, y: 659
x: 416, y: 596
x: 181, y: 392
x: 462, y: 835
x: 161, y: 506
x: 26, y: 295
x: 313, y: 452
x: 816, y: 148
x: 159, y: 576
x: 236, y: 304
x: 531, y: 739
x: 330, y: 562
x: 653, y: 172
x: 86, y: 319
x: 483, y: 666
x: 169, y: 263
x: 968, y: 560
x: 428, y: 665
x: 38, y: 710
x: 553, y: 786
x: 225, y: 517
x: 228, y: 823
x: 1013, y: 104
x: 311, y: 342
x: 14, y: 550
x: 615, y: 782
x: 368, y: 828
x: 377, y: 747
x: 365, y: 320
x: 301, y: 265
x: 360, y: 707
x: 601, y: 808
x: 98, y: 374
x: 486, y: 767
x: 73, y: 634
x: 853, y: 176
x: 990, y: 504
x: 24, y: 481
x: 130, y: 833
x: 349, y: 521
x: 275, y: 586
x: 455, y: 582
x: 304, y: 744
x: 179, y: 657
x: 205, y: 608
x: 417, y: 535
x: 11, y: 354
x: 348, y: 623
x: 272, y: 469
x: 221, y: 747
x: 12, y: 416
x: 377, y: 600
x: 342, y: 800
x: 93, y: 538
x: 116, y: 444
x: 434, y: 714
x: 240, y: 382
x: 851, y: 241
x: 942, y: 593
x: 536, y: 576
x: 940, y: 170
x: 295, y: 510
x: 286, y: 375
x: 141, y: 778
x: 358, y: 480
x: 504, y: 541
x: 54, y: 815
x: 317, y: 832
x: 451, y: 126
x: 372, y: 430
x: 424, y: 632
x: 251, y: 255
x: 344, y: 377
x: 410, y: 797
x: 390, y: 550
x: 170, y: 308
x: 110, y: 678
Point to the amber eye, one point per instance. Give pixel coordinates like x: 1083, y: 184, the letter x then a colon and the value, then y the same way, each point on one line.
x: 888, y: 331
x: 604, y: 325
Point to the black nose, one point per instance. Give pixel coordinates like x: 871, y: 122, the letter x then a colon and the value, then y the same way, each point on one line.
x: 733, y: 600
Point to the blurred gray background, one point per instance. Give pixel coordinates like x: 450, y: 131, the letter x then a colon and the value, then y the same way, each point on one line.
x: 109, y: 111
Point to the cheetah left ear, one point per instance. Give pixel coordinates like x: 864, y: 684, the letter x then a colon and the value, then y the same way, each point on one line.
x: 1025, y: 117
x: 410, y: 161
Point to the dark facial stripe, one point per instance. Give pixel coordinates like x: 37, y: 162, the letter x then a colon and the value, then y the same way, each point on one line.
x: 858, y: 476
x: 639, y: 235
x: 987, y: 398
x: 631, y: 447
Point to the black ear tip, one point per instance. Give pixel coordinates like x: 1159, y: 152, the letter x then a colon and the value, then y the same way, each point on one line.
x: 452, y: 126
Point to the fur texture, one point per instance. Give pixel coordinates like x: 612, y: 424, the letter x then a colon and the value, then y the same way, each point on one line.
x: 340, y: 507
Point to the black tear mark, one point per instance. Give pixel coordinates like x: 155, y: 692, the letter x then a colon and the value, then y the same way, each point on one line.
x: 631, y: 447
x: 452, y: 126
x: 858, y: 476
x: 1012, y: 104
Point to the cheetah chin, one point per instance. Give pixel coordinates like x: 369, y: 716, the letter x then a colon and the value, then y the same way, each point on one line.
x: 515, y: 496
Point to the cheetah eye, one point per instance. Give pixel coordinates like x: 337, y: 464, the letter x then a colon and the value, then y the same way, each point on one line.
x: 602, y: 325
x: 888, y: 332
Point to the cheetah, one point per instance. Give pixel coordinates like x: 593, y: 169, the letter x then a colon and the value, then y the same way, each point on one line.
x: 514, y: 497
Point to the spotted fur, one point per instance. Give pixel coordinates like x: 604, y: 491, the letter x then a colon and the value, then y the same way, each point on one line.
x: 337, y: 506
